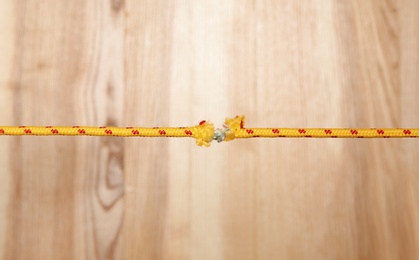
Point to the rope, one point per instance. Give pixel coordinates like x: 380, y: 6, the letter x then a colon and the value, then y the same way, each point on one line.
x: 204, y: 133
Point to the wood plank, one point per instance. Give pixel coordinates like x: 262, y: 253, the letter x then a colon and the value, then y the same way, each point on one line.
x: 7, y: 45
x: 173, y: 63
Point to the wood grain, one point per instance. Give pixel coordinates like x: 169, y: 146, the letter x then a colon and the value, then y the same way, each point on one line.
x: 7, y: 34
x: 285, y: 63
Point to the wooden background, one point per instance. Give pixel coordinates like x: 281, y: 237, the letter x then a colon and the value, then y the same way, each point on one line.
x: 283, y: 63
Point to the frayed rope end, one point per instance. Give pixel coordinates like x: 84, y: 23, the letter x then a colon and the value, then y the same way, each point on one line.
x: 205, y: 132
x: 228, y: 131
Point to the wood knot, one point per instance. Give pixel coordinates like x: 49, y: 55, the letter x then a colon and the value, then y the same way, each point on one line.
x: 117, y: 5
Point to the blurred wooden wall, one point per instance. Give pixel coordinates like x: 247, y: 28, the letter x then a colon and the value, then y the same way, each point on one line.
x: 285, y: 63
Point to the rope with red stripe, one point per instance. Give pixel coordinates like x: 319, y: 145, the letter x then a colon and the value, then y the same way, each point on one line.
x: 204, y: 133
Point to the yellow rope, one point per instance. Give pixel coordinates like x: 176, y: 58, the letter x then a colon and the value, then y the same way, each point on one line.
x: 237, y: 130
x: 204, y: 133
